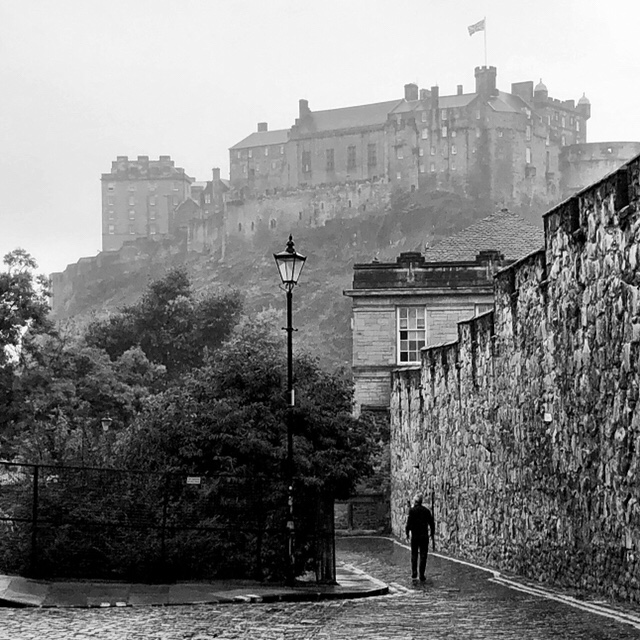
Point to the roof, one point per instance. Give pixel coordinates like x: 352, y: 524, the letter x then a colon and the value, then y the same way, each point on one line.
x: 451, y: 102
x: 364, y: 115
x: 263, y: 139
x: 504, y: 231
x: 506, y: 103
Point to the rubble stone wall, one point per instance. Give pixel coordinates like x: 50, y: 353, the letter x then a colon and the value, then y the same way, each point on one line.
x: 524, y: 433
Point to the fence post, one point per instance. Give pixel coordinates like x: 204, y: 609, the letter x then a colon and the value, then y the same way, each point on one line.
x: 163, y: 535
x: 34, y: 522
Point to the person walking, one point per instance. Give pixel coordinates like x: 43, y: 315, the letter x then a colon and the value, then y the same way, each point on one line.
x: 419, y: 525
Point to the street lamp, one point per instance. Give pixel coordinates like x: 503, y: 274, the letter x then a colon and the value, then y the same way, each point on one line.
x: 106, y: 423
x: 290, y: 264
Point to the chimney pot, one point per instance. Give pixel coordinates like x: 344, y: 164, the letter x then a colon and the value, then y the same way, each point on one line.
x: 459, y: 89
x: 411, y: 91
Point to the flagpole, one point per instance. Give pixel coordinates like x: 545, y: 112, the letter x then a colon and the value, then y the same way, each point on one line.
x: 485, y: 40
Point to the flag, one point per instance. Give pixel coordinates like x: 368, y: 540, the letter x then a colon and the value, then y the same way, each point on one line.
x: 478, y: 26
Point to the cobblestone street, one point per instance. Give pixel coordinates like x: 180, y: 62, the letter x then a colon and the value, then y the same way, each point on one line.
x: 458, y: 601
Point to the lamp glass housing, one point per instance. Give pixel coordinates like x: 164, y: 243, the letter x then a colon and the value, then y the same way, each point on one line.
x: 290, y: 264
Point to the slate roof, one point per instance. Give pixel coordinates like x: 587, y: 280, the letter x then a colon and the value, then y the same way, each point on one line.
x: 504, y: 231
x: 505, y: 102
x: 262, y: 139
x: 364, y: 115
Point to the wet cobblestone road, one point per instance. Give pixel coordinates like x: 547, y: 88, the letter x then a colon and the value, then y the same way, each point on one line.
x: 457, y: 602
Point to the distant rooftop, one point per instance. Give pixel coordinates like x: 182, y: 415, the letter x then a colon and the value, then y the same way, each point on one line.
x: 262, y: 139
x: 504, y: 231
x: 349, y: 117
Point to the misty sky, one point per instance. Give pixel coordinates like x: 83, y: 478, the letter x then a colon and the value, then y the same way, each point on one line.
x: 84, y: 81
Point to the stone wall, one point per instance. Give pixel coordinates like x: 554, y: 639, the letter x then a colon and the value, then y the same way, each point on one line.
x: 525, y: 431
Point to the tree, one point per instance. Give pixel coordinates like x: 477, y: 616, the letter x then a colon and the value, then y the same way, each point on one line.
x: 231, y: 414
x: 23, y: 302
x: 172, y: 326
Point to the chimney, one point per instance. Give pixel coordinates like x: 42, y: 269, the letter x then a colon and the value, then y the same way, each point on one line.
x: 305, y: 112
x: 523, y: 90
x: 424, y: 94
x: 263, y: 126
x: 411, y: 91
x: 486, y: 82
x: 435, y: 97
x: 215, y: 172
x: 459, y: 89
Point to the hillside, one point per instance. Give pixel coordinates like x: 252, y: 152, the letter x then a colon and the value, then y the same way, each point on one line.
x: 321, y: 312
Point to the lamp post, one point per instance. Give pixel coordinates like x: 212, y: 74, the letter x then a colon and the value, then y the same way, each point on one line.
x: 290, y: 264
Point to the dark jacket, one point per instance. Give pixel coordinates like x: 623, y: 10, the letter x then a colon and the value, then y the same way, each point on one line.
x: 420, y: 522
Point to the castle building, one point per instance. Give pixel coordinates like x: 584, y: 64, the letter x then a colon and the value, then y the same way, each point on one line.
x: 139, y: 198
x: 488, y: 143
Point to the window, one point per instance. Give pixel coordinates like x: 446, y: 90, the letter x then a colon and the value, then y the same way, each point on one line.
x: 500, y: 133
x: 453, y: 134
x: 399, y: 153
x: 152, y: 201
x: 132, y: 214
x: 424, y: 116
x: 577, y: 125
x: 266, y: 151
x: 253, y: 225
x: 399, y: 175
x: 111, y: 186
x: 175, y: 201
x: 306, y: 161
x: 131, y: 187
x: 274, y: 165
x: 281, y: 149
x: 421, y: 167
x: 251, y: 153
x: 111, y: 214
x: 240, y: 226
x: 477, y: 133
x: 272, y: 223
x: 372, y: 155
x: 132, y: 230
x: 112, y: 229
x: 239, y: 155
x: 432, y: 168
x: 443, y: 114
x: 528, y: 133
x: 244, y: 169
x: 152, y: 186
x: 425, y: 133
x: 477, y: 115
x: 331, y: 163
x: 452, y: 165
x: 445, y: 151
x: 453, y: 150
x: 132, y: 201
x: 527, y: 155
x: 207, y: 198
x: 153, y: 229
x: 421, y: 152
x: 152, y: 214
x: 444, y: 132
x: 433, y: 151
x: 111, y: 200
x: 563, y: 141
x: 399, y: 120
x: 411, y: 333
x: 563, y: 122
x: 351, y: 157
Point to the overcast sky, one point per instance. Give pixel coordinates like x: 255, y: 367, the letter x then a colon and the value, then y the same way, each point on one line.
x: 83, y: 81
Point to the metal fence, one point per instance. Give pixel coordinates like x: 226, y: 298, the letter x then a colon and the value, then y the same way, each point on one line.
x: 83, y: 522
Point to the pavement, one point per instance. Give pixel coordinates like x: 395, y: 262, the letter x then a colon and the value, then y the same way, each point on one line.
x: 459, y: 601
x: 17, y: 591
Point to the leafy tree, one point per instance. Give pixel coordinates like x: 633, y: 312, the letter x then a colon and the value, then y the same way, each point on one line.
x: 172, y: 326
x: 231, y: 414
x: 61, y: 391
x: 23, y: 302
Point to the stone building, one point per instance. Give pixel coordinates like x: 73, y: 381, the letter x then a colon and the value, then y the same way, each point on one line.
x: 485, y: 143
x: 139, y: 198
x: 401, y: 307
x: 523, y: 431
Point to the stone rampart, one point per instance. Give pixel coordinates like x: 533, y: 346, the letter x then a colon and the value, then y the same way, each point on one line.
x: 525, y: 432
